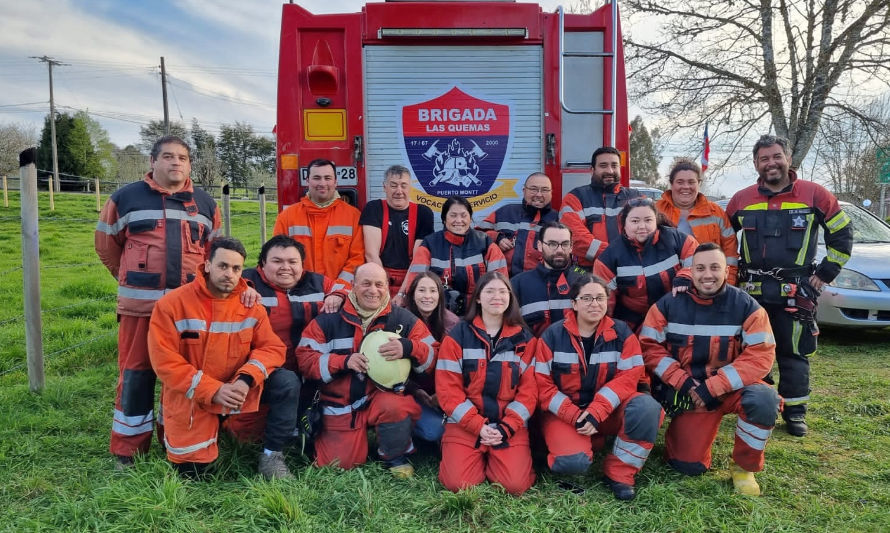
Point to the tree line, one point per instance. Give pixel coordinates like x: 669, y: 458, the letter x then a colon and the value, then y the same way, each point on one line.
x: 237, y: 155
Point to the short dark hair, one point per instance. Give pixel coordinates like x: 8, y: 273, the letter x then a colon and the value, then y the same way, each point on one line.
x: 281, y: 241
x: 771, y: 140
x: 455, y: 200
x: 320, y: 162
x: 681, y: 164
x: 396, y: 170
x: 604, y: 150
x: 512, y: 315
x: 551, y: 224
x: 227, y: 243
x: 707, y: 247
x: 169, y: 139
x: 587, y: 279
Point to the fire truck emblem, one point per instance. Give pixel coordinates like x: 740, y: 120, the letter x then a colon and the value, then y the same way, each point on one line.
x: 456, y: 143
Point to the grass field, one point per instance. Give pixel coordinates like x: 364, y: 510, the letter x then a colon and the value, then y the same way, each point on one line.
x: 56, y: 473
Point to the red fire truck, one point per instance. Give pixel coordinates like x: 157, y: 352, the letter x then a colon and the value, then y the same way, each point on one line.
x: 471, y: 96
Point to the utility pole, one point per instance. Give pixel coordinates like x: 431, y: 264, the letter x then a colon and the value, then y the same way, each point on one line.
x: 164, y: 92
x: 52, y: 119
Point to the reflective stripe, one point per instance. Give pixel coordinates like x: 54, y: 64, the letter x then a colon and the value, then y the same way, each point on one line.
x: 687, y: 263
x: 339, y: 230
x: 630, y: 362
x: 447, y: 365
x: 497, y: 263
x: 337, y: 286
x: 556, y: 402
x: 751, y: 435
x: 542, y: 368
x: 566, y: 358
x: 798, y: 400
x: 132, y: 425
x: 430, y: 354
x: 630, y: 453
x: 837, y: 222
x: 566, y: 209
x: 313, y: 297
x: 835, y: 256
x: 519, y: 409
x: 485, y: 226
x: 460, y: 411
x: 663, y: 365
x: 732, y: 261
x: 705, y: 220
x: 651, y: 270
x: 506, y: 357
x: 652, y: 333
x: 343, y: 343
x: 348, y: 277
x: 418, y: 268
x: 176, y: 214
x: 190, y: 324
x: 140, y: 294
x: 703, y: 330
x: 298, y: 231
x: 545, y: 305
x: 259, y: 365
x: 269, y: 301
x: 593, y: 248
x: 233, y: 327
x: 196, y: 379
x: 610, y: 396
x: 608, y: 211
x: 469, y: 261
x: 346, y: 409
x: 726, y: 233
x: 474, y: 353
x: 757, y: 338
x: 735, y: 380
x: 105, y: 228
x: 599, y: 358
x: 187, y: 449
x: 440, y: 263
x: 323, y: 367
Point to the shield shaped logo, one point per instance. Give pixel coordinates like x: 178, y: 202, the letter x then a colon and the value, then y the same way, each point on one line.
x: 456, y: 143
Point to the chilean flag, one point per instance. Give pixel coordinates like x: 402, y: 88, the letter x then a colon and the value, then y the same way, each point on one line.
x: 707, y: 151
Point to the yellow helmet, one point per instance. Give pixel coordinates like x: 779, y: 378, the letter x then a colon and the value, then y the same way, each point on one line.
x: 388, y: 375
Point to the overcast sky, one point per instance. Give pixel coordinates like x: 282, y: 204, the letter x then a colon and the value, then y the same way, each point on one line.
x: 221, y: 58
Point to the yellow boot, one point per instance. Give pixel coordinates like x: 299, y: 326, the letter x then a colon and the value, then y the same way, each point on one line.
x: 744, y: 481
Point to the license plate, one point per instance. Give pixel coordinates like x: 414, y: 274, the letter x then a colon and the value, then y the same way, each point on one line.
x: 345, y: 176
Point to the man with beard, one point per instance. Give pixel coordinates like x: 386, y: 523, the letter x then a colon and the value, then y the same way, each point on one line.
x: 543, y: 293
x: 591, y: 211
x: 778, y: 218
x: 712, y: 345
x: 216, y: 358
x: 514, y: 227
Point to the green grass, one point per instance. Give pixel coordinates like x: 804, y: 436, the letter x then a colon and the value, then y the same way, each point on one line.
x: 56, y: 473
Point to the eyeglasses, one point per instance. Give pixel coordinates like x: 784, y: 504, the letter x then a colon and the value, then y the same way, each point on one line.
x: 553, y: 245
x: 538, y: 190
x: 588, y: 299
x: 641, y: 201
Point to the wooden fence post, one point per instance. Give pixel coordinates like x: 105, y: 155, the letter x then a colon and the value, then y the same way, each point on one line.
x: 227, y: 223
x: 98, y: 197
x: 31, y: 267
x: 5, y: 193
x: 52, y: 187
x: 261, y: 193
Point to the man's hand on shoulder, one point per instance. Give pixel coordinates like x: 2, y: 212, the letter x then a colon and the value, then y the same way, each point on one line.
x: 250, y: 297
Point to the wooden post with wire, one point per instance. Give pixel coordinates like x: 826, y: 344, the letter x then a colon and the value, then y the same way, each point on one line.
x: 261, y: 193
x: 98, y: 196
x: 227, y: 212
x: 31, y: 268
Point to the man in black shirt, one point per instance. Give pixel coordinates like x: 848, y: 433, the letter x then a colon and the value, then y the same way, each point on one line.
x: 392, y: 234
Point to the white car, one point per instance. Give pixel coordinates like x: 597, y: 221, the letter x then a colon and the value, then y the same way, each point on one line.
x: 860, y: 295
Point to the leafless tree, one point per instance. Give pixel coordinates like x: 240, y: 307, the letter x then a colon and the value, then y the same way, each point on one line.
x: 747, y: 66
x: 851, y: 156
x: 13, y: 139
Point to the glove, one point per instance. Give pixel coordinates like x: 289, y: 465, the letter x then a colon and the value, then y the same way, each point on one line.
x: 673, y: 401
x: 589, y: 418
x: 711, y: 402
x: 681, y: 281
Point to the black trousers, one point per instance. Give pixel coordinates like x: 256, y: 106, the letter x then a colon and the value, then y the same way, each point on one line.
x: 794, y: 346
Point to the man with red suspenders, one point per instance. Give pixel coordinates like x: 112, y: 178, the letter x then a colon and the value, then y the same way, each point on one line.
x: 393, y: 226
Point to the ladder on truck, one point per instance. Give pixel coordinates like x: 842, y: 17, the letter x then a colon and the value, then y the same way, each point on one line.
x: 576, y: 84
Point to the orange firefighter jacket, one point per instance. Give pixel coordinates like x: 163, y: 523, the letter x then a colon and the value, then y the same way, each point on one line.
x: 332, y: 237
x: 197, y: 342
x: 709, y: 224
